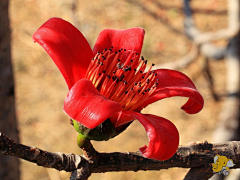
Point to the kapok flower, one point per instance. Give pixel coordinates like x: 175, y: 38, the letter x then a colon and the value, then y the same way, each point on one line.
x: 112, y: 82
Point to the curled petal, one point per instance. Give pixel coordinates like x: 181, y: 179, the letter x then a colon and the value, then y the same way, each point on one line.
x: 173, y: 83
x: 87, y: 106
x: 163, y: 136
x: 67, y: 47
x: 121, y: 118
x: 129, y: 39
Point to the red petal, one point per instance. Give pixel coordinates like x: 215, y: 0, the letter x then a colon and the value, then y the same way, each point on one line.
x: 87, y: 106
x: 129, y: 39
x: 163, y: 136
x: 121, y: 118
x: 174, y: 83
x: 67, y: 47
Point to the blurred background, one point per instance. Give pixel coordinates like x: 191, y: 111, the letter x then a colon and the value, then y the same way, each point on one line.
x: 40, y: 88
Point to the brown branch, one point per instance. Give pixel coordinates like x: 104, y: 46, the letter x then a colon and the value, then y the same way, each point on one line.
x: 198, y: 156
x: 181, y: 62
x: 60, y: 161
x: 202, y: 40
x: 82, y: 173
x: 208, y: 76
x: 207, y: 11
x: 199, y: 173
x: 157, y: 17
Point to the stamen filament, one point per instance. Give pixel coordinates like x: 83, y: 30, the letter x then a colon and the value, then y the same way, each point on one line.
x: 120, y: 77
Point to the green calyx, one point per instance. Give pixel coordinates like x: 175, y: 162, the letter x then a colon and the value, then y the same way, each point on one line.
x: 82, y: 140
x: 102, y: 132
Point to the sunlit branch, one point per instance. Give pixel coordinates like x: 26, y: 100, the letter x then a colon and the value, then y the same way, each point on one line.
x: 195, y: 155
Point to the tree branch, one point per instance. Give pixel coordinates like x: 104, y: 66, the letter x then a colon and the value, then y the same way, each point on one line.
x: 198, y: 156
x: 202, y: 40
x: 181, y: 62
x: 199, y: 173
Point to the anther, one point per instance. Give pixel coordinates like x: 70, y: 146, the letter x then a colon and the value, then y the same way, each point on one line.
x: 119, y: 65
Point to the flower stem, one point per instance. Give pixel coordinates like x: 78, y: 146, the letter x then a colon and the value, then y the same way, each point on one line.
x: 82, y: 141
x: 87, y: 147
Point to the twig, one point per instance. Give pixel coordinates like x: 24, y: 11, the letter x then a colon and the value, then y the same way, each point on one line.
x: 182, y: 62
x: 195, y: 10
x: 208, y: 75
x: 203, y: 39
x: 157, y: 17
x: 199, y: 173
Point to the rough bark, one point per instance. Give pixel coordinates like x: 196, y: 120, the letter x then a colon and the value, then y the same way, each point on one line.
x: 197, y: 156
x: 8, y: 123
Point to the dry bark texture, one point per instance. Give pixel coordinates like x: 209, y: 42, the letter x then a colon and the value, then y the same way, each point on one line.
x: 197, y: 156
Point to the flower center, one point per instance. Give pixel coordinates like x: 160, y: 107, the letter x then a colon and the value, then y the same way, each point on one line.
x: 120, y: 77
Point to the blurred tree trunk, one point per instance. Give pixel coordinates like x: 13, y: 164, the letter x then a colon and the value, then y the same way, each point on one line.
x: 229, y: 121
x: 9, y: 166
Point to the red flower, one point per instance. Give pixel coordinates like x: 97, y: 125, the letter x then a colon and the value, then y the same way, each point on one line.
x: 110, y: 82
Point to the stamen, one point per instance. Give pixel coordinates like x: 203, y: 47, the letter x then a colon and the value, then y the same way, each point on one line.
x: 121, y: 77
